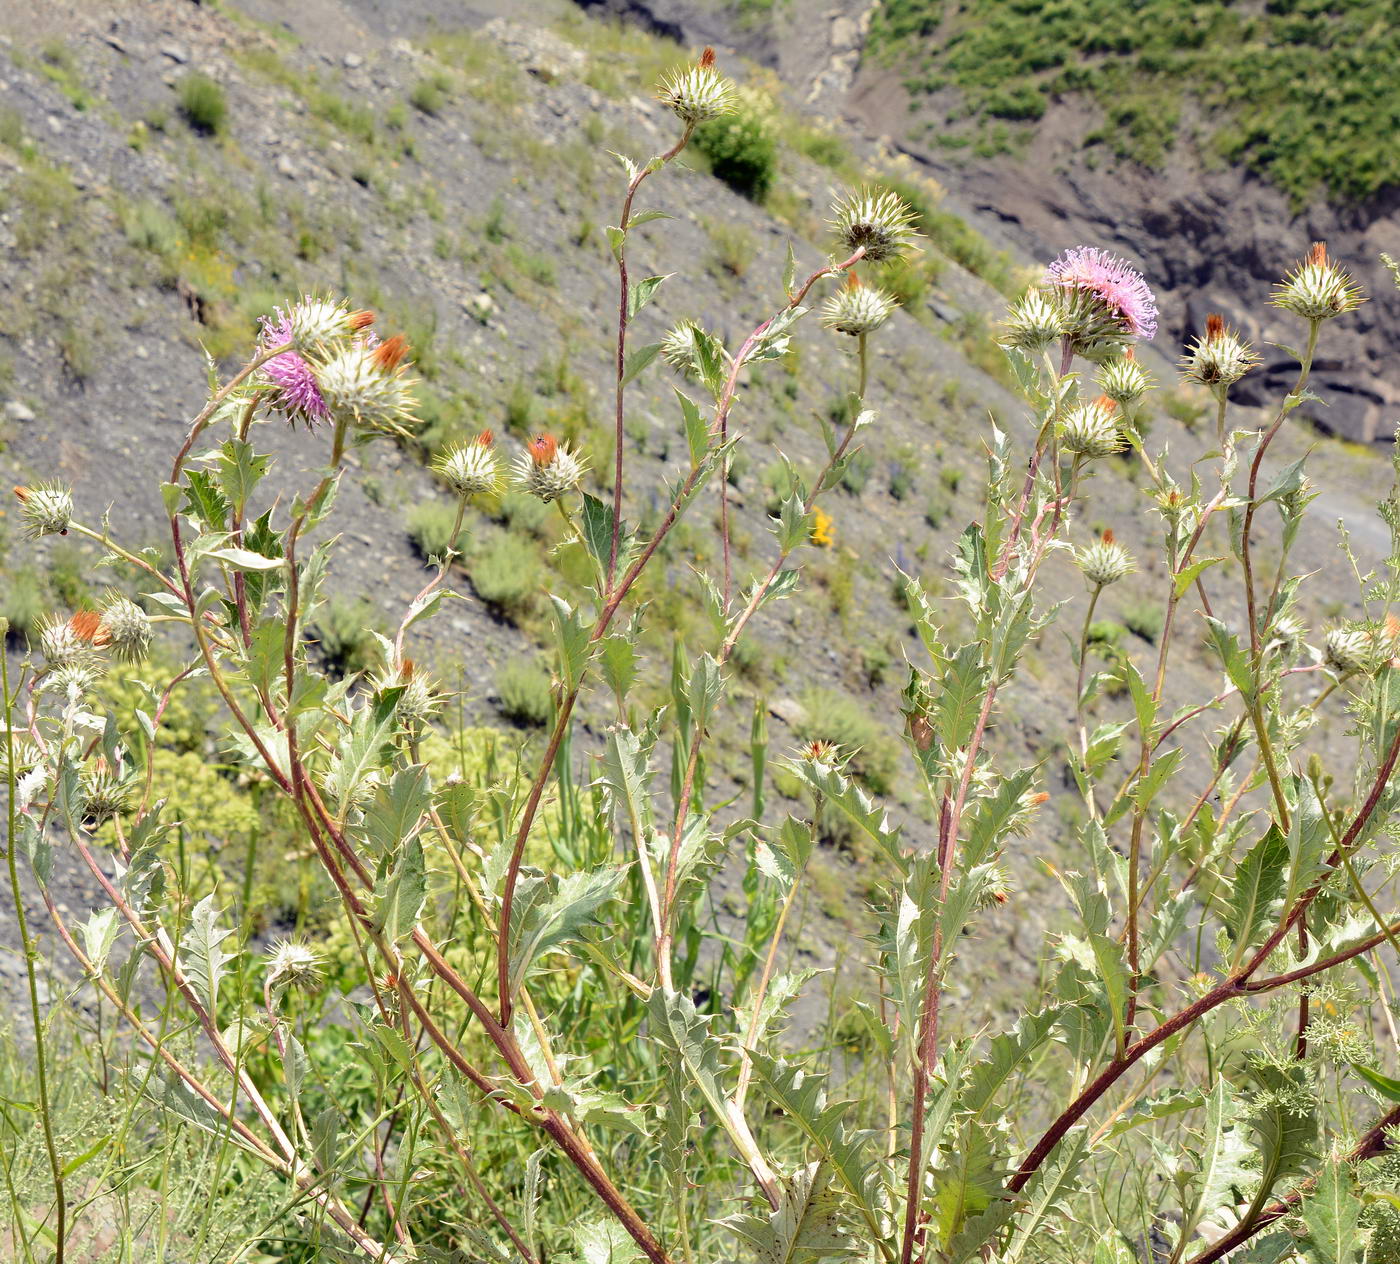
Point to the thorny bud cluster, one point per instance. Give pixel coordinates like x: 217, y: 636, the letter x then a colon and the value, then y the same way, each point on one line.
x: 1104, y: 562
x: 1092, y: 430
x: 1318, y: 289
x: 1219, y: 358
x: 698, y: 92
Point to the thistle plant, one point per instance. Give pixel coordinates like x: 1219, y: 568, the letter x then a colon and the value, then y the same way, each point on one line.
x: 553, y: 1039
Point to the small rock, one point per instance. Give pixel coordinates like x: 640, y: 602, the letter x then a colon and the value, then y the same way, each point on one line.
x: 286, y: 167
x: 113, y: 42
x: 479, y: 306
x: 16, y: 411
x: 789, y: 710
x: 353, y: 61
x: 55, y: 124
x: 177, y: 53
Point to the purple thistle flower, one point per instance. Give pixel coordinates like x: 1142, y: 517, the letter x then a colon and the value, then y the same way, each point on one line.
x: 298, y: 396
x: 1113, y: 281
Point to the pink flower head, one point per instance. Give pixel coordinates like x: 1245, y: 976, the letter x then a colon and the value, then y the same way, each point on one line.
x: 1118, y: 285
x: 298, y: 396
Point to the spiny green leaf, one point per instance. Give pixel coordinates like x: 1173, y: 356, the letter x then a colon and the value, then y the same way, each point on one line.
x: 641, y: 292
x: 399, y: 896
x: 800, y: 1096
x: 1255, y: 889
x: 809, y: 1225
x: 638, y: 359
x: 1332, y: 1213
x: 550, y: 912
x: 202, y: 954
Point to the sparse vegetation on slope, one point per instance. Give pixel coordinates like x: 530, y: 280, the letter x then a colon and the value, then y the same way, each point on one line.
x: 1303, y: 91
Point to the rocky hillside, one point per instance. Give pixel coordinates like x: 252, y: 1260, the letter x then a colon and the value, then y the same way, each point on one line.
x: 1206, y: 142
x: 169, y: 171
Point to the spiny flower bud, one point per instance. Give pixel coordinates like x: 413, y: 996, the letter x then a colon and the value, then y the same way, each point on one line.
x: 857, y: 309
x: 471, y: 468
x: 823, y: 753
x: 291, y: 963
x: 47, y: 509
x: 1317, y: 288
x: 419, y: 700
x: 876, y: 220
x: 1033, y: 323
x: 73, y: 680
x: 1091, y: 430
x: 71, y: 640
x: 1347, y: 650
x: 1104, y: 562
x: 1219, y: 358
x: 698, y: 92
x: 106, y: 792
x: 1124, y: 380
x: 679, y: 348
x: 127, y: 629
x: 367, y: 386
x: 317, y: 323
x: 1288, y: 633
x: 547, y: 469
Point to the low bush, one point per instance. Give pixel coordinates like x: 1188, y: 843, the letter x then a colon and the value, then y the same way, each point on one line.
x: 202, y: 103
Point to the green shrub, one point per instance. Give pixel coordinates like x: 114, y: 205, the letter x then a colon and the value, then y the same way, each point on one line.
x: 524, y: 688
x: 734, y: 249
x: 505, y: 574
x: 430, y: 94
x: 430, y: 525
x: 202, y: 103
x: 741, y: 148
x: 1144, y: 619
x: 1106, y: 635
x: 22, y: 603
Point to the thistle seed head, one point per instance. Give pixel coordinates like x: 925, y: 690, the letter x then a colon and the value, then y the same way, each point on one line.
x: 547, y: 469
x: 1033, y: 323
x: 1092, y: 430
x: 1104, y: 562
x: 471, y: 468
x: 857, y: 309
x: 1347, y: 650
x: 698, y: 92
x: 1317, y: 289
x: 1288, y: 633
x: 1219, y: 358
x: 875, y: 219
x: 293, y: 964
x: 127, y: 628
x: 46, y: 508
x: 1123, y: 379
x: 367, y: 386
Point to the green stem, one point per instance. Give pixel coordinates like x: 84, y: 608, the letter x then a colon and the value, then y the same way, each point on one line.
x: 31, y: 956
